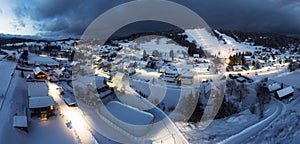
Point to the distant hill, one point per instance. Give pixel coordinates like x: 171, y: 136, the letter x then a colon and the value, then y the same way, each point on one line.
x: 272, y: 40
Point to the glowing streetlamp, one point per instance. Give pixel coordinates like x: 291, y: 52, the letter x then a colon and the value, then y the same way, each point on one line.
x: 227, y: 61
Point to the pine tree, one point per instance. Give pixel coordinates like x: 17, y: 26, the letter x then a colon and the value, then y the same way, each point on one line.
x: 144, y: 54
x: 171, y: 54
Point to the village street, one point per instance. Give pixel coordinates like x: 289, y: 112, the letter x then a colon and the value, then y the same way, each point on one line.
x: 6, y: 73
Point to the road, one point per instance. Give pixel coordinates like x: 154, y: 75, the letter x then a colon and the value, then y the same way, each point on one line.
x: 277, y: 109
x: 7, y: 69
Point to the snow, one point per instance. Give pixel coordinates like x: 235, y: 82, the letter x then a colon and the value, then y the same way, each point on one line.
x: 40, y: 101
x: 129, y: 114
x: 285, y: 91
x: 289, y: 78
x: 162, y: 45
x: 100, y: 82
x: 2, y: 56
x: 42, y: 60
x: 273, y: 87
x: 253, y: 129
x: 53, y: 130
x: 37, y: 70
x: 37, y: 89
x: 20, y: 121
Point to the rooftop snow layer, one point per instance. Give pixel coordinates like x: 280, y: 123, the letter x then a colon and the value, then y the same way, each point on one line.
x: 285, y: 91
x: 41, y: 101
x: 37, y: 89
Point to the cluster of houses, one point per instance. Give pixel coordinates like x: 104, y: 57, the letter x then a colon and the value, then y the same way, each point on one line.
x: 263, y: 57
x: 279, y: 91
x: 240, y: 78
x: 53, y: 75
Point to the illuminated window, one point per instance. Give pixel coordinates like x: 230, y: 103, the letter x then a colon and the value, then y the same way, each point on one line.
x: 51, y: 107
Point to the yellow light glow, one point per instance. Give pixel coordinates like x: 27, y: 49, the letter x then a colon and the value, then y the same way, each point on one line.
x: 227, y: 61
x: 51, y: 107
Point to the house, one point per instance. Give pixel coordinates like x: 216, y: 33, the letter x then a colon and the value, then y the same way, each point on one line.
x: 40, y: 74
x: 130, y: 71
x: 170, y: 75
x: 41, y: 106
x: 248, y: 59
x: 196, y: 56
x: 274, y: 87
x: 237, y: 68
x: 39, y: 103
x: 59, y: 72
x: 286, y: 92
x: 119, y: 76
x: 187, y: 78
x: 102, y: 88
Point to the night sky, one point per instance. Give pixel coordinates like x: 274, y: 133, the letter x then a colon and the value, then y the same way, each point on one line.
x: 62, y: 18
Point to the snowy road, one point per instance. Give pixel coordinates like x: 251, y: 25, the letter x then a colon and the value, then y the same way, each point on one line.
x: 74, y: 117
x: 273, y: 113
x: 6, y: 70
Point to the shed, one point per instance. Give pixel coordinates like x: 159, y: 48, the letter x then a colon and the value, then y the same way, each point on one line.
x: 20, y: 122
x: 286, y: 92
x: 274, y: 87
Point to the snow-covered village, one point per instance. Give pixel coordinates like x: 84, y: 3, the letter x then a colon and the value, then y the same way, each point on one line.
x: 192, y: 85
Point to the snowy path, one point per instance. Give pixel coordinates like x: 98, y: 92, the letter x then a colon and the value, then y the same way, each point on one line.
x: 74, y: 118
x: 256, y: 128
x: 6, y: 70
x: 165, y: 131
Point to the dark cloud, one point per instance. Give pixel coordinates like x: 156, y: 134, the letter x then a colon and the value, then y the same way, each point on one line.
x: 70, y: 18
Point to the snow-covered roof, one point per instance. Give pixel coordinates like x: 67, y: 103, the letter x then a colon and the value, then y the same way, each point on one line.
x: 129, y: 114
x: 274, y: 87
x: 59, y: 71
x: 37, y: 70
x: 29, y: 76
x: 196, y: 55
x: 187, y: 74
x: 241, y: 79
x: 40, y: 102
x: 285, y: 91
x: 20, y: 121
x: 131, y: 70
x: 105, y: 93
x: 100, y: 82
x: 119, y: 75
x: 37, y: 89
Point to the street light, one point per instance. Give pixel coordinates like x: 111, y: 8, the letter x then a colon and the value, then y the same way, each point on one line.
x: 227, y: 61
